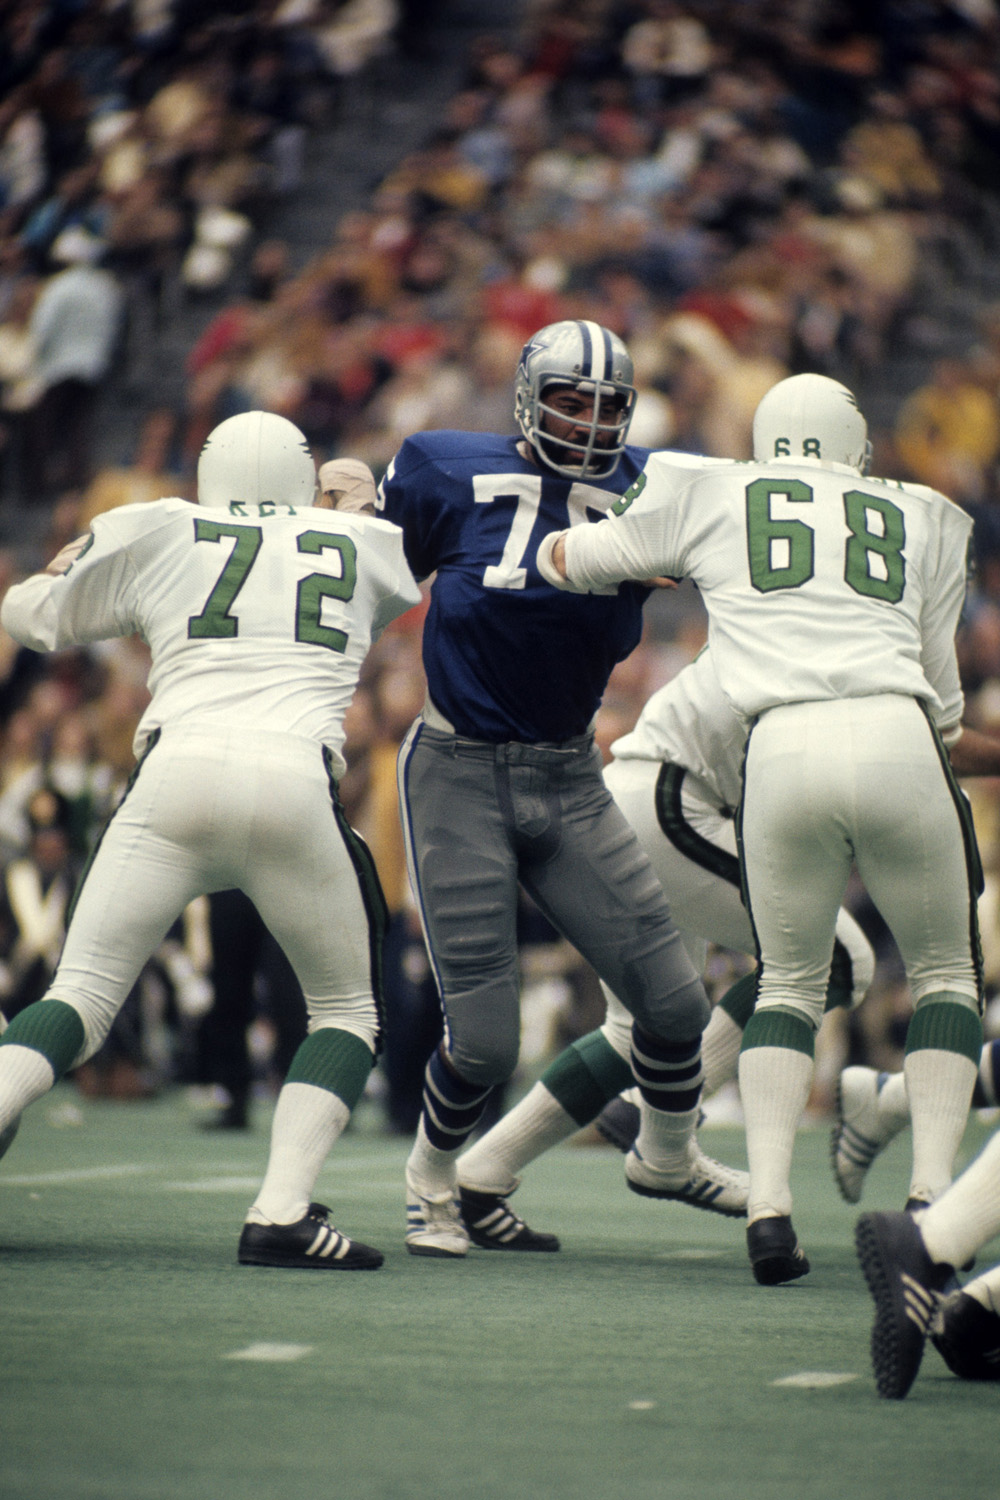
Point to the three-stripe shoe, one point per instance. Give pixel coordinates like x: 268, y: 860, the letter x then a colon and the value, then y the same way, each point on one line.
x: 706, y: 1184
x: 310, y: 1243
x: 905, y: 1284
x: 861, y: 1131
x: 493, y: 1225
x: 433, y: 1222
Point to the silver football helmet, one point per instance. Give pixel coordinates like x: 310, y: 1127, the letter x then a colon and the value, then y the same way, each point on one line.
x: 255, y: 458
x: 812, y: 417
x: 592, y: 360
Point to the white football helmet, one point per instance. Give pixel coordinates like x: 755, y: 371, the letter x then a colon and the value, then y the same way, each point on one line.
x: 255, y: 458
x: 811, y: 417
x: 592, y: 360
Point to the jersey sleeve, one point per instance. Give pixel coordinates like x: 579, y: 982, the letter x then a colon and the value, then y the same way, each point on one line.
x: 406, y: 496
x: 641, y: 539
x: 403, y: 591
x: 945, y: 597
x: 92, y: 601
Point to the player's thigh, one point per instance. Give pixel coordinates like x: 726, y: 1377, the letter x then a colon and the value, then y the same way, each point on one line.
x: 323, y: 903
x: 691, y: 846
x: 462, y: 864
x: 797, y: 857
x: 602, y: 893
x: 135, y: 886
x: 913, y: 855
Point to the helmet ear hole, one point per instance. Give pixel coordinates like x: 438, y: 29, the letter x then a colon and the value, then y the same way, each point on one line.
x: 811, y: 417
x: 588, y: 358
x: 256, y: 458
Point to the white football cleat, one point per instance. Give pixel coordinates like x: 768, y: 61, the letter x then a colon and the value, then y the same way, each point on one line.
x: 433, y: 1222
x: 707, y: 1183
x: 861, y: 1131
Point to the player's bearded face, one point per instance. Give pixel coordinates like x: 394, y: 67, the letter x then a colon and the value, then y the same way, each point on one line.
x: 568, y: 416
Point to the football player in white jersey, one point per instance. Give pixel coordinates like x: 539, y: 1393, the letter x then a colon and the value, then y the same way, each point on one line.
x: 676, y: 777
x: 258, y: 608
x: 833, y: 602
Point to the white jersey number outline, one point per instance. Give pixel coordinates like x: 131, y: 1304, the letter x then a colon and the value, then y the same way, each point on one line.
x: 526, y: 490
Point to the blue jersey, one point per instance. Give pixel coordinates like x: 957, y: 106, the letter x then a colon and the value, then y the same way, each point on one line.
x: 507, y: 656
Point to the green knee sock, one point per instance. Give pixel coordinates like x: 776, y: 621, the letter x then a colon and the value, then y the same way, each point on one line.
x: 586, y: 1075
x: 337, y: 1061
x: 50, y: 1027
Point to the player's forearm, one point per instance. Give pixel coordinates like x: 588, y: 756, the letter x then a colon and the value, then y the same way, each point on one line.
x: 589, y: 559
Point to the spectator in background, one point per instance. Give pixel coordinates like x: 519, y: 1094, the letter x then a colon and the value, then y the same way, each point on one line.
x: 35, y: 896
x: 947, y: 432
x: 74, y: 326
x: 152, y: 474
x: 19, y: 387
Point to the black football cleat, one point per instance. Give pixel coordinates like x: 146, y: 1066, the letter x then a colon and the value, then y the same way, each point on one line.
x: 618, y: 1122
x: 311, y: 1243
x: 493, y: 1225
x: 905, y: 1284
x: 775, y: 1254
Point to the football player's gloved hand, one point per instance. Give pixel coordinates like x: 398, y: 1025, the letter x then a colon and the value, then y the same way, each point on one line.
x: 347, y: 484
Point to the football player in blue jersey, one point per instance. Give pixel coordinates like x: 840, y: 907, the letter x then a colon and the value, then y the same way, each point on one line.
x: 500, y: 781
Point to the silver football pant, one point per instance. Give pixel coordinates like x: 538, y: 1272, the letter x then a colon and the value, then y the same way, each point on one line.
x: 481, y: 818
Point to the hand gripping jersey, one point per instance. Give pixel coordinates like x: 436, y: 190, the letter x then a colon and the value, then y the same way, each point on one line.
x: 507, y: 657
x: 820, y: 584
x: 257, y: 616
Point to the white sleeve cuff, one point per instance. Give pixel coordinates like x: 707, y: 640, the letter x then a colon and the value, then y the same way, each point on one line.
x: 548, y: 569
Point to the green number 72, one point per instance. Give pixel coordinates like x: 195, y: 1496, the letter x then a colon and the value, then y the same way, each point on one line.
x: 216, y: 622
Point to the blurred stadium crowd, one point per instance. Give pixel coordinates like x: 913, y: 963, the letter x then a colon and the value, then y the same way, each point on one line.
x: 742, y: 189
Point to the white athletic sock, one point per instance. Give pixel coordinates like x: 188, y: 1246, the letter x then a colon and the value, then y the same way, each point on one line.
x: 432, y: 1168
x: 774, y: 1086
x: 968, y: 1215
x: 494, y: 1163
x: 720, y: 1050
x: 665, y: 1139
x: 25, y: 1075
x: 939, y: 1087
x: 307, y: 1121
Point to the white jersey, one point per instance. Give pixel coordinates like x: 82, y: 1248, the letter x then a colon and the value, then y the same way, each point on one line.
x: 260, y: 617
x: 690, y: 723
x: 819, y: 583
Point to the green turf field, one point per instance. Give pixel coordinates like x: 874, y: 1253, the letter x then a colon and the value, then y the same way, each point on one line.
x: 642, y: 1363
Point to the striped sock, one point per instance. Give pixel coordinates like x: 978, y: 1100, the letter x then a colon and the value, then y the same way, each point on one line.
x: 452, y: 1108
x: 669, y: 1077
